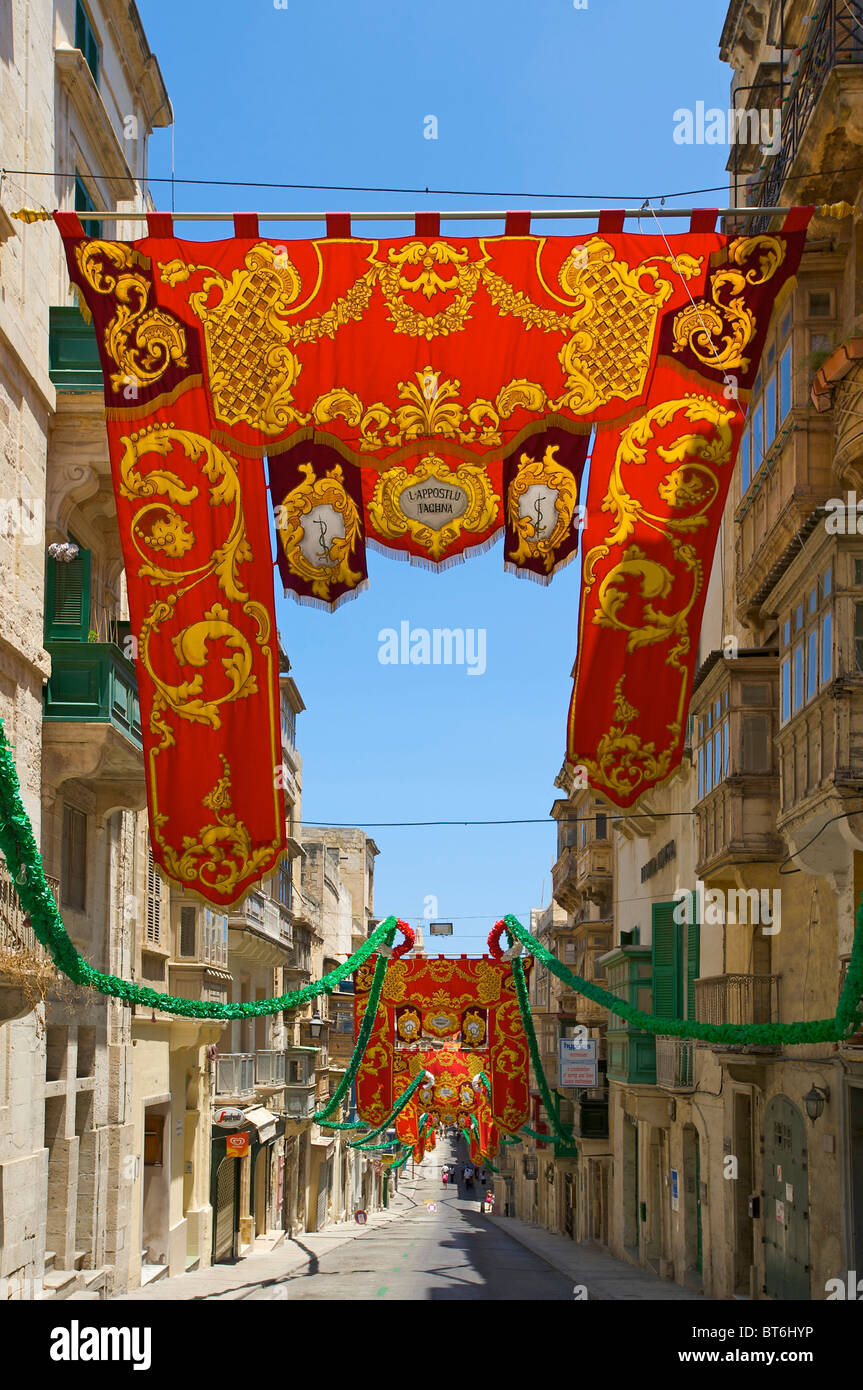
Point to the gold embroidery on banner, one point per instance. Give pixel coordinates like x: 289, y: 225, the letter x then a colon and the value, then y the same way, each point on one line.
x: 698, y: 326
x: 551, y: 474
x: 623, y: 760
x: 252, y: 370
x: 143, y: 342
x: 387, y: 516
x: 335, y: 554
x: 429, y: 282
x: 221, y: 855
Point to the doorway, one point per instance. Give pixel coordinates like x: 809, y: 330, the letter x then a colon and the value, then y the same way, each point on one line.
x: 786, y: 1200
x: 156, y: 1195
x: 744, y: 1237
x: 226, y: 1216
x: 630, y: 1186
x: 855, y: 1127
x: 692, y: 1201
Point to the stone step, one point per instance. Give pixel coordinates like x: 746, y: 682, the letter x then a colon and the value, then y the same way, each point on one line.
x: 60, y: 1283
x: 151, y: 1273
x: 50, y: 1257
x: 95, y: 1278
x: 79, y: 1258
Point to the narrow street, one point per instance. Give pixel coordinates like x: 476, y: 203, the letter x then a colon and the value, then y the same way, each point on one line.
x: 451, y: 1252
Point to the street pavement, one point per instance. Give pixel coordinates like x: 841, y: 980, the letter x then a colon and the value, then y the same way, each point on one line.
x: 432, y: 1242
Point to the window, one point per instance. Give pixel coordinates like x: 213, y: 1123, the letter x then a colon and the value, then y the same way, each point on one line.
x: 786, y: 631
x: 798, y: 677
x: 675, y: 950
x: 601, y: 827
x: 786, y: 690
x: 67, y: 598
x: 826, y: 647
x: 73, y: 883
x: 289, y: 724
x: 757, y: 438
x: 858, y: 571
x: 745, y: 464
x: 811, y: 662
x: 858, y: 636
x: 770, y: 412
x: 285, y: 883
x: 798, y: 617
x: 86, y: 40
x: 820, y: 304
x: 756, y: 742
x: 785, y: 383
x: 187, y: 931
x: 84, y: 203
x: 154, y: 902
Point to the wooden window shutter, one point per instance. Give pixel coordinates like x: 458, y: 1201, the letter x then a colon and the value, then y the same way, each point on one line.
x: 154, y: 902
x: 665, y: 953
x: 67, y: 599
x: 187, y: 931
x: 693, y: 956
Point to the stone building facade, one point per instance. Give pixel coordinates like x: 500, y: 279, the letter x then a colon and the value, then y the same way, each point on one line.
x: 738, y: 1169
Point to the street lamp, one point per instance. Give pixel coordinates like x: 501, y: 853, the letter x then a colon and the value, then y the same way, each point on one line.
x: 815, y: 1100
x: 316, y: 1025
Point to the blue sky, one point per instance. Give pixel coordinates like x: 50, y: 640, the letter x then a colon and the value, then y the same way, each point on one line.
x: 529, y: 98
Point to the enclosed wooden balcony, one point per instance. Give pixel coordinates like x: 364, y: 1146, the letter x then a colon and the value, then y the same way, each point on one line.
x: 583, y: 873
x: 735, y: 721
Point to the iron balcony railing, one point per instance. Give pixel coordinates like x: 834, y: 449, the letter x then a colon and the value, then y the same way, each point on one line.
x: 235, y: 1073
x: 674, y: 1058
x: 836, y: 38
x: 17, y: 937
x: 737, y: 999
x: 270, y: 1067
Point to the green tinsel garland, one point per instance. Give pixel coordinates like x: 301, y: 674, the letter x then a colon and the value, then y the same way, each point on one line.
x: 396, y: 1110
x: 359, y: 1048
x: 25, y: 865
x: 524, y: 1006
x: 848, y: 1016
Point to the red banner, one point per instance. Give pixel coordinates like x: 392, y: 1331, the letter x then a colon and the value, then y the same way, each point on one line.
x: 422, y: 394
x: 467, y: 1007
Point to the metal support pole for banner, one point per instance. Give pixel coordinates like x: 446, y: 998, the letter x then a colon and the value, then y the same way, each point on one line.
x: 452, y: 215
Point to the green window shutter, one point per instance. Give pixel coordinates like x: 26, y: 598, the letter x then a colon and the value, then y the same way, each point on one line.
x: 86, y: 40
x: 693, y: 958
x: 665, y: 951
x: 67, y: 599
x: 84, y: 203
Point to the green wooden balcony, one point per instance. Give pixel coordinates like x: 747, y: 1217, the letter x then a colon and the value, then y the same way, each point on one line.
x: 92, y: 683
x: 631, y: 1053
x: 73, y: 354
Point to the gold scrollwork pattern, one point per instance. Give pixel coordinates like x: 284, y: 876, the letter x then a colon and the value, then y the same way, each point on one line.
x: 547, y: 473
x: 699, y: 326
x: 142, y: 342
x: 296, y: 512
x: 221, y: 855
x: 624, y: 760
x: 432, y: 258
x: 388, y: 517
x: 252, y: 370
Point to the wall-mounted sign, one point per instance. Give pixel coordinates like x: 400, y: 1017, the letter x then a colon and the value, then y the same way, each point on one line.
x: 675, y: 1190
x: 237, y: 1145
x: 229, y: 1117
x: 440, y: 928
x: 360, y: 1217
x: 578, y: 1066
x: 665, y: 855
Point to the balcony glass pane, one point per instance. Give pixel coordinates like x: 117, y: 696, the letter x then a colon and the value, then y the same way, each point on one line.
x: 717, y: 754
x: 725, y: 748
x: 785, y: 384
x: 828, y: 581
x: 786, y: 690
x: 826, y: 647
x: 757, y: 438
x: 812, y: 663
x: 700, y: 773
x: 770, y: 412
x: 798, y: 677
x: 745, y: 476
x: 708, y: 765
